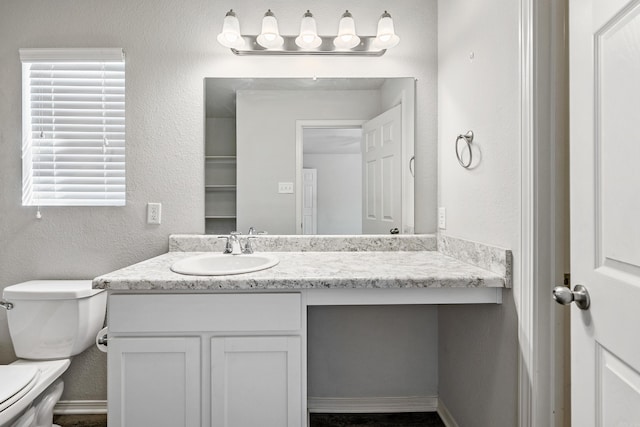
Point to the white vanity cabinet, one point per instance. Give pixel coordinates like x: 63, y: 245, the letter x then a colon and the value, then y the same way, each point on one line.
x: 220, y: 360
x: 154, y: 381
x: 256, y: 381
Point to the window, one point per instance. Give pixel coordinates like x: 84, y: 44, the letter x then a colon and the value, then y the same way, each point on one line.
x: 73, y: 127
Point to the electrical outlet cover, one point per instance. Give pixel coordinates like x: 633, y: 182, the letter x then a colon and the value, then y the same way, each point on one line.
x: 285, y: 187
x: 154, y: 213
x: 442, y: 218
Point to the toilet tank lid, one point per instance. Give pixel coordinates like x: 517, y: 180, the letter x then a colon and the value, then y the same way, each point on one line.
x: 50, y: 290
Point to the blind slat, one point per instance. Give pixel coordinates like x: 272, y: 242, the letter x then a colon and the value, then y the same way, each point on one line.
x: 74, y: 133
x: 98, y: 173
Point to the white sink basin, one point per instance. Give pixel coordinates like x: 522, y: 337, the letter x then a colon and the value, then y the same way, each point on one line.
x: 223, y: 264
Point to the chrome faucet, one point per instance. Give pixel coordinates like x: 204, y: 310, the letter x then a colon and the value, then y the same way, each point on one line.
x: 232, y: 246
x: 248, y: 246
x: 252, y: 234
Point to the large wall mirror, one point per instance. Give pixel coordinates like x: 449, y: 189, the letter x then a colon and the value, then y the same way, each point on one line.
x: 327, y: 156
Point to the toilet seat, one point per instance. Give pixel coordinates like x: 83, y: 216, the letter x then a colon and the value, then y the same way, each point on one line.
x: 16, y: 382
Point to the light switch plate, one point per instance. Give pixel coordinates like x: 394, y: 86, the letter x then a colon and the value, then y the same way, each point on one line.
x: 154, y: 213
x: 442, y: 218
x: 285, y: 187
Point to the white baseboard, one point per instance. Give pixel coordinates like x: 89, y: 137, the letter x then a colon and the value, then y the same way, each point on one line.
x: 372, y: 404
x: 445, y: 415
x: 80, y: 407
x: 314, y: 404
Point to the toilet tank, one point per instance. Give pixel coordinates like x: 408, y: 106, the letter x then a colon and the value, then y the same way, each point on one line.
x: 54, y: 319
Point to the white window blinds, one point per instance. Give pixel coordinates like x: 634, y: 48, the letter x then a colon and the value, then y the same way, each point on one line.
x: 73, y: 127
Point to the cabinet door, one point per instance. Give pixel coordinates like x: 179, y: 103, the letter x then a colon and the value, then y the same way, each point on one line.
x: 154, y: 382
x: 256, y: 381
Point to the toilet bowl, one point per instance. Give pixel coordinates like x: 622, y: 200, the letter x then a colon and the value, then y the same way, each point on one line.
x: 49, y: 322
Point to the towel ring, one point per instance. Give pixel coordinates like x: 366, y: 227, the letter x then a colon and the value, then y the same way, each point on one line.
x: 468, y: 139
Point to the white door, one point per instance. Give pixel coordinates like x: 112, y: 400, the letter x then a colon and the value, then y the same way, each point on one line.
x: 605, y: 211
x: 256, y: 381
x: 309, y: 201
x: 154, y: 382
x: 381, y: 172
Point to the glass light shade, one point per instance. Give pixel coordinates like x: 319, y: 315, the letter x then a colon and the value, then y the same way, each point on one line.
x: 308, y: 38
x: 270, y: 36
x: 386, y: 37
x: 347, y: 37
x: 230, y: 36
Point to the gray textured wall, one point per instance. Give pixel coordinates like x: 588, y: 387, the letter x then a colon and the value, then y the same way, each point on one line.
x: 171, y: 47
x: 478, y: 345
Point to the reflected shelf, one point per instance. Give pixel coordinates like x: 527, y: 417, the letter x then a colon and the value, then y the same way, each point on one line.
x: 220, y: 187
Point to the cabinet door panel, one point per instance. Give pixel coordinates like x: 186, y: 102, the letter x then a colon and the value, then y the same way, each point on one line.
x: 154, y: 382
x: 256, y: 381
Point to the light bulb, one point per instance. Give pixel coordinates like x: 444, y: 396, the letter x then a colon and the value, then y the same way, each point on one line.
x: 347, y: 37
x: 270, y: 36
x: 308, y: 38
x: 230, y: 36
x: 386, y: 37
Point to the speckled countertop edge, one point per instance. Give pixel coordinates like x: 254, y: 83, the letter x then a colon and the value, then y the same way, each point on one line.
x: 311, y: 270
x: 492, y: 258
x: 303, y: 243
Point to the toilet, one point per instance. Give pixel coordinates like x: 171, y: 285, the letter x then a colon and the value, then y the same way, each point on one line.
x: 49, y: 322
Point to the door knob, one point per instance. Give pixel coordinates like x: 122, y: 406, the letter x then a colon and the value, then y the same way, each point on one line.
x: 565, y: 296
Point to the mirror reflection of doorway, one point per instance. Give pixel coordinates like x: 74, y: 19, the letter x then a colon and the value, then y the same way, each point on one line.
x: 332, y: 195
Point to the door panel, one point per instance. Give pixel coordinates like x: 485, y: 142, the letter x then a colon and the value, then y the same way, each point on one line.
x: 605, y: 207
x: 617, y: 80
x: 387, y: 173
x: 618, y: 392
x: 370, y: 191
x: 309, y: 201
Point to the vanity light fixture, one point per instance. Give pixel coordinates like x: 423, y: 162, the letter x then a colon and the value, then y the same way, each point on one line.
x: 347, y: 37
x: 386, y: 37
x: 308, y: 42
x: 270, y: 36
x: 230, y: 36
x: 308, y: 38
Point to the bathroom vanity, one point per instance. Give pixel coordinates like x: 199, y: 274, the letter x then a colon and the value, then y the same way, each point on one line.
x: 231, y: 350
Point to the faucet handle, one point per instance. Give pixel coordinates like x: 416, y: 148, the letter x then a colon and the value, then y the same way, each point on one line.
x: 227, y: 246
x: 248, y: 245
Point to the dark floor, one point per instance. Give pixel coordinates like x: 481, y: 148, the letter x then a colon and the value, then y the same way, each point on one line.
x: 80, y: 420
x: 414, y: 419
x: 421, y: 419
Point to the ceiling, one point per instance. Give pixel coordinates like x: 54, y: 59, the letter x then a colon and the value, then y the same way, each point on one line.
x: 331, y: 140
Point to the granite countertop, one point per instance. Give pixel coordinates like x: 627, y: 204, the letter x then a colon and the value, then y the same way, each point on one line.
x: 311, y: 270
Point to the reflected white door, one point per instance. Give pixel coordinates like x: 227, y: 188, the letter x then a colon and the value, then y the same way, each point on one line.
x: 381, y: 172
x: 605, y: 211
x: 309, y: 201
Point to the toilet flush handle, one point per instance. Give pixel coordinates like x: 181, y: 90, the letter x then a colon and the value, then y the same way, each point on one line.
x: 6, y: 304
